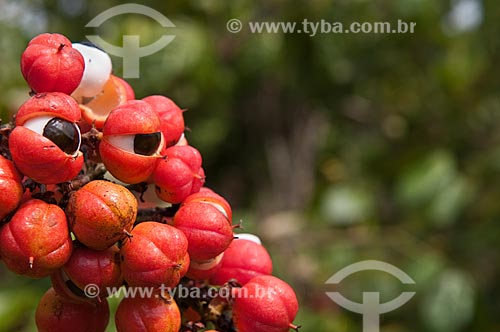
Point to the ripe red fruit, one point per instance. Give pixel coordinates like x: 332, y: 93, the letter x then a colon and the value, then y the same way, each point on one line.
x: 101, y: 213
x: 155, y: 255
x: 179, y: 174
x: 54, y: 104
x: 208, y: 230
x: 242, y: 261
x: 85, y: 267
x: 11, y: 189
x: 265, y: 304
x: 207, y: 195
x: 132, y: 142
x: 55, y: 313
x: 46, y: 140
x: 171, y: 118
x: 154, y: 314
x: 36, y: 241
x: 50, y: 63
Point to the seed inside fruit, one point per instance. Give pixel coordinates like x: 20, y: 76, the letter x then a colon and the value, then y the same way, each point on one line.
x: 147, y: 144
x: 64, y: 134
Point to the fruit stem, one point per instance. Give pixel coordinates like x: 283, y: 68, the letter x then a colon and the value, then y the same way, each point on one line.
x: 239, y: 225
x: 295, y: 327
x: 61, y: 46
x: 128, y: 234
x: 199, y: 177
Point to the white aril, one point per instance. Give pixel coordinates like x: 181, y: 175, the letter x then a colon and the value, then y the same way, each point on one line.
x: 97, y: 71
x: 249, y: 237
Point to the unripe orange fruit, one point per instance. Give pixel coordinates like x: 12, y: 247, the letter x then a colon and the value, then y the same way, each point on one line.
x: 101, y: 213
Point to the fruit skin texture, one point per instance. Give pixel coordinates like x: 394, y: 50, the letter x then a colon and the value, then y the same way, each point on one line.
x: 37, y: 156
x: 50, y: 103
x: 242, y: 261
x: 154, y: 314
x: 39, y: 231
x: 266, y: 304
x: 156, y: 255
x: 101, y: 213
x: 179, y: 174
x: 133, y: 117
x: 207, y: 229
x: 171, y: 118
x: 40, y: 159
x: 207, y: 195
x: 11, y: 189
x: 54, y: 313
x: 50, y: 63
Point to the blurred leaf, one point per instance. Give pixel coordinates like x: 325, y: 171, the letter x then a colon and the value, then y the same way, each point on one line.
x: 425, y: 178
x: 15, y: 306
x: 450, y: 201
x: 449, y: 304
x: 347, y: 205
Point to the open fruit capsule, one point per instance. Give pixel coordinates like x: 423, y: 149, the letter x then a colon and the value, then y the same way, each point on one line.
x: 45, y: 144
x: 132, y: 141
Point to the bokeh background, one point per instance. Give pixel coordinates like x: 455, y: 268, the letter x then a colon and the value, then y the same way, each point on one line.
x: 334, y: 149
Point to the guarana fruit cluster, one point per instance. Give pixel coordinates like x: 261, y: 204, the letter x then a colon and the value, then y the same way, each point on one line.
x: 100, y: 188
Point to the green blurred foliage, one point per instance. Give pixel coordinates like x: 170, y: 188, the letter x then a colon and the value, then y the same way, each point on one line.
x: 334, y: 148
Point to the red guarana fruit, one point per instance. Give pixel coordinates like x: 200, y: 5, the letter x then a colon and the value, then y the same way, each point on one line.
x: 158, y: 313
x: 50, y: 64
x: 46, y: 140
x: 179, y: 174
x: 171, y: 118
x: 265, y: 304
x: 208, y: 196
x: 55, y: 314
x: 36, y: 241
x: 11, y: 188
x: 155, y: 255
x: 132, y: 141
x: 101, y: 213
x: 202, y: 270
x: 242, y: 261
x: 85, y: 267
x: 207, y: 228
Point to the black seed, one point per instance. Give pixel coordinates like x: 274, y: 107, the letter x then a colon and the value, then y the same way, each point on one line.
x: 75, y: 289
x: 63, y: 133
x: 147, y: 144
